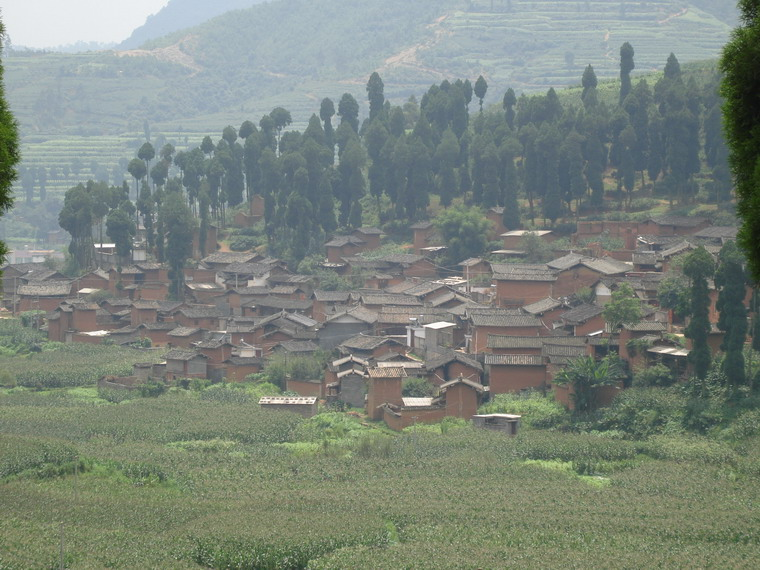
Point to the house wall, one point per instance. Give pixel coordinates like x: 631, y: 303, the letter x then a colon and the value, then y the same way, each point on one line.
x: 304, y: 387
x: 422, y: 268
x: 573, y: 279
x: 519, y: 293
x: 605, y: 395
x: 480, y: 335
x: 237, y: 373
x: 35, y: 303
x: 84, y: 320
x: 353, y: 389
x: 405, y: 418
x: 381, y: 391
x: 461, y: 401
x: 592, y: 325
x: 453, y: 370
x: 504, y: 379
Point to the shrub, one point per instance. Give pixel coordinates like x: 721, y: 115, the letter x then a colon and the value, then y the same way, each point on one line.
x: 642, y: 412
x: 656, y: 375
x: 537, y: 410
x: 417, y: 387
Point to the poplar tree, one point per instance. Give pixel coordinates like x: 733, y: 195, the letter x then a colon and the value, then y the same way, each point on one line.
x: 730, y: 280
x: 626, y: 66
x: 698, y: 267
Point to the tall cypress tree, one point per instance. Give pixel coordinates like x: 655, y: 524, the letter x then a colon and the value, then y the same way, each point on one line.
x: 626, y: 66
x: 730, y: 279
x: 698, y: 267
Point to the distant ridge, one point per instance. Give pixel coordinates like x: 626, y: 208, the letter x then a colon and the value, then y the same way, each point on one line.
x: 181, y: 14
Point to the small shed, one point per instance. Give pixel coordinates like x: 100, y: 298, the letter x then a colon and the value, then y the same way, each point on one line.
x: 508, y: 423
x: 305, y: 406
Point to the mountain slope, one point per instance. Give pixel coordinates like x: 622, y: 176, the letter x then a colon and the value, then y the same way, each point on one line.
x: 180, y: 14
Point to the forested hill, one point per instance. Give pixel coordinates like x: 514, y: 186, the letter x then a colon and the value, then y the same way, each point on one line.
x: 180, y: 14
x: 293, y: 52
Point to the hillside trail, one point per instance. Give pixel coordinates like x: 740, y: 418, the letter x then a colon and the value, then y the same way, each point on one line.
x: 408, y: 57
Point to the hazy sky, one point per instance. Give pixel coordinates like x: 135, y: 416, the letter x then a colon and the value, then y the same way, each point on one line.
x: 50, y: 23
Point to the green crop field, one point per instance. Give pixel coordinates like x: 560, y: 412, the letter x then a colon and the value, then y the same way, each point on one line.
x: 186, y: 482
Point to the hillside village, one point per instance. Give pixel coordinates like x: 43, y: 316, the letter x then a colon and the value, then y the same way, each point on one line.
x: 495, y: 327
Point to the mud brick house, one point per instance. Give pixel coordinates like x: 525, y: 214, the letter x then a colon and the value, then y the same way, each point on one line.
x: 302, y: 348
x: 458, y: 398
x: 590, y: 230
x: 474, y: 267
x: 183, y: 337
x: 202, y: 293
x: 514, y: 372
x: 232, y: 300
x: 507, y: 423
x: 384, y: 386
x: 281, y: 327
x: 158, y: 333
x: 410, y: 265
x: 368, y: 346
x: 185, y: 364
x: 717, y: 235
x: 495, y: 215
x: 248, y: 274
x: 345, y: 325
x: 671, y: 225
x: 345, y: 380
x: 254, y: 214
x: 327, y: 303
x: 377, y: 301
x: 77, y: 316
x: 370, y: 235
x: 305, y: 387
x: 585, y: 319
x: 238, y: 367
x: 216, y: 350
x: 344, y: 246
x: 200, y: 316
x: 648, y: 331
x: 425, y: 235
x: 513, y: 239
x: 96, y: 279
x: 445, y: 367
x: 576, y: 272
x: 519, y: 284
x: 143, y: 312
x: 42, y: 295
x: 394, y: 320
x: 11, y: 275
x: 502, y: 322
x: 222, y: 259
x: 548, y: 310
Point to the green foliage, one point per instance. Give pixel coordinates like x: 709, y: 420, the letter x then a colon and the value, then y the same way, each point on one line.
x: 655, y: 375
x: 464, y: 231
x: 585, y: 374
x: 23, y: 453
x: 17, y: 338
x: 624, y: 308
x: 417, y: 387
x: 536, y: 409
x: 73, y: 364
x: 642, y: 412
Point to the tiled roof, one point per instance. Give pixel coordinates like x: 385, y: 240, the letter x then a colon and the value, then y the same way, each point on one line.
x: 159, y: 326
x: 360, y: 313
x: 498, y: 319
x: 607, y: 265
x: 539, y: 307
x: 581, y: 313
x: 305, y: 346
x: 507, y: 341
x: 681, y: 221
x: 227, y: 257
x: 262, y: 291
x: 183, y: 331
x: 211, y: 343
x: 45, y: 289
x: 247, y: 268
x: 514, y: 360
x: 424, y: 289
x: 523, y: 272
x: 387, y: 372
x: 388, y: 299
x: 365, y: 342
x: 340, y: 241
x: 402, y: 258
x: 443, y: 359
x: 646, y: 326
x: 201, y: 312
x: 717, y: 232
x: 680, y: 247
x: 179, y: 354
x: 566, y: 261
x: 332, y: 296
x: 369, y: 231
x: 280, y: 303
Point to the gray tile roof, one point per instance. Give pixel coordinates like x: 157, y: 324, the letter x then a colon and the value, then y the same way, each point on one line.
x: 443, y: 359
x: 183, y: 331
x: 281, y: 303
x: 581, y: 313
x: 523, y: 272
x: 298, y: 346
x: 514, y: 360
x: 566, y: 261
x: 681, y: 221
x: 388, y: 299
x: 45, y: 289
x: 365, y: 342
x: 607, y: 265
x: 646, y: 326
x: 518, y: 342
x: 201, y: 312
x: 539, y: 307
x: 180, y: 354
x: 717, y: 232
x: 504, y: 320
x: 332, y: 296
x: 227, y: 257
x: 340, y: 241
